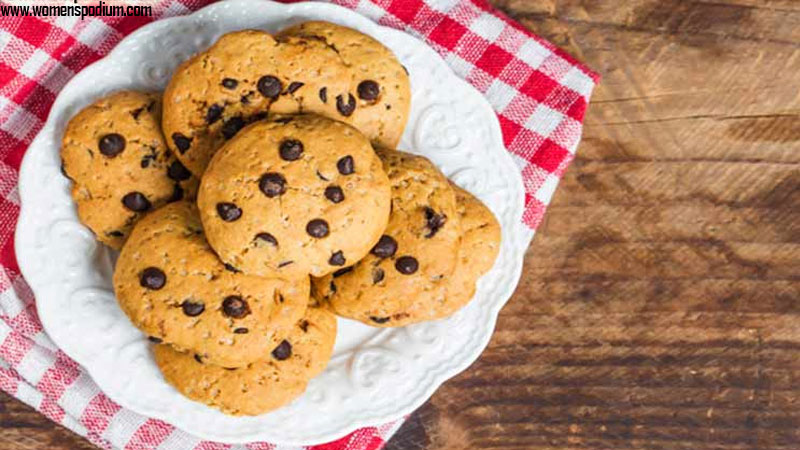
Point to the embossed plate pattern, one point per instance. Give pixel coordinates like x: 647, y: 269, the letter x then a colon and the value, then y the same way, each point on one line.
x: 376, y: 375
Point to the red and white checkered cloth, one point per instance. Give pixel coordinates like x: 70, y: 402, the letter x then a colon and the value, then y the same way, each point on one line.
x: 539, y: 92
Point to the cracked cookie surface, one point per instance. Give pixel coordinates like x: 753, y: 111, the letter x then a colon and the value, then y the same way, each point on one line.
x: 273, y: 381
x: 403, y: 279
x: 171, y: 285
x: 379, y: 83
x: 120, y: 166
x: 295, y: 195
x: 250, y: 73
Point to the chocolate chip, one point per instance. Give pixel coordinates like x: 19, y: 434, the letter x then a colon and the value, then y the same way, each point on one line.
x: 290, y: 149
x: 229, y: 83
x: 377, y: 275
x: 232, y: 126
x: 111, y: 145
x: 293, y: 86
x: 192, y: 309
x: 228, y: 212
x: 177, y: 193
x: 136, y: 202
x: 178, y: 172
x: 379, y: 319
x: 272, y: 184
x: 334, y: 194
x: 385, y: 248
x: 433, y: 221
x: 197, y: 358
x: 231, y: 268
x: 269, y: 86
x: 284, y: 264
x: 346, y: 165
x: 137, y: 112
x: 406, y: 265
x: 323, y: 95
x: 337, y: 259
x: 266, y: 237
x: 303, y: 325
x: 368, y: 90
x: 341, y: 272
x: 152, y: 278
x: 154, y: 339
x: 245, y: 99
x: 241, y: 330
x: 146, y: 160
x: 214, y: 113
x: 182, y: 142
x: 282, y: 351
x: 235, y: 306
x: 346, y: 109
x: 317, y: 228
x: 258, y: 116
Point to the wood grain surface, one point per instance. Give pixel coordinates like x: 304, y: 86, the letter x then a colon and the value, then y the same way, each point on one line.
x: 660, y: 301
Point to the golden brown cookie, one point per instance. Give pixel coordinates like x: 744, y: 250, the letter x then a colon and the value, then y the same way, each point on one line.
x: 116, y: 156
x: 172, y: 286
x: 480, y: 243
x: 380, y: 84
x: 263, y: 385
x: 404, y: 277
x: 309, y: 345
x: 247, y: 74
x: 295, y: 195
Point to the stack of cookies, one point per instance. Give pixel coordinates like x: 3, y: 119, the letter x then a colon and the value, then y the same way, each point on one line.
x: 259, y: 197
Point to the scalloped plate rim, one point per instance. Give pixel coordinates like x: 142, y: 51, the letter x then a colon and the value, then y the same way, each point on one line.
x: 23, y: 253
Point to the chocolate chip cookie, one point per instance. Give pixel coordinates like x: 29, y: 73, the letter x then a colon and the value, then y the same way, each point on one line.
x: 295, y: 195
x: 247, y: 74
x: 121, y: 168
x: 404, y: 277
x: 172, y: 286
x: 309, y: 345
x: 480, y: 243
x: 269, y: 383
x: 379, y: 87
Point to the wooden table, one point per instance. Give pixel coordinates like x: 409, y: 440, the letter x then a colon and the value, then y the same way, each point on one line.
x: 660, y: 304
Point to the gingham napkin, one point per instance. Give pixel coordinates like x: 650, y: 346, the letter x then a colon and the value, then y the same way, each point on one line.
x: 539, y: 92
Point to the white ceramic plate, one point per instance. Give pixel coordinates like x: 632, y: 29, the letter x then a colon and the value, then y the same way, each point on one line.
x: 376, y: 375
